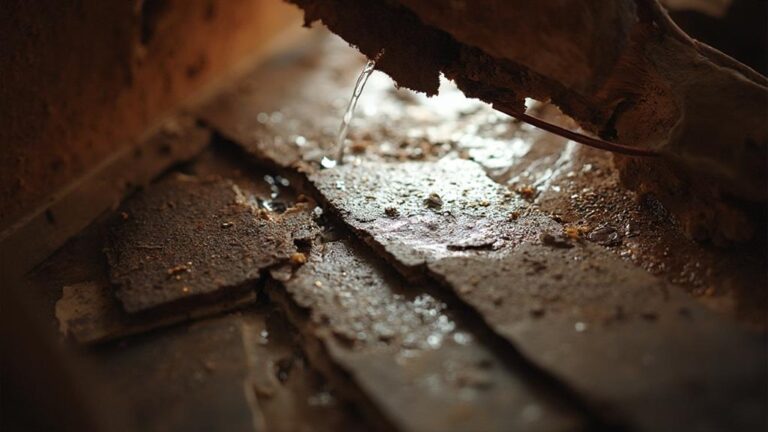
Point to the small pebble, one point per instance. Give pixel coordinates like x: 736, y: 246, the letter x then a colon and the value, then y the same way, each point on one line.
x: 605, y: 235
x: 557, y: 241
x: 433, y: 201
x: 298, y: 258
x: 392, y: 212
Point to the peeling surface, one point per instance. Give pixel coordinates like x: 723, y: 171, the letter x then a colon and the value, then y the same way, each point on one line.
x: 287, y: 112
x: 552, y: 216
x: 193, y: 376
x: 563, y: 307
x: 409, y: 353
x: 186, y: 237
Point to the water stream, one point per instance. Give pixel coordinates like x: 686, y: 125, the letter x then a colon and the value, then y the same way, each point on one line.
x: 349, y: 114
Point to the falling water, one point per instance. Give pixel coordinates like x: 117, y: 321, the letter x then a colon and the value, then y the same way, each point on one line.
x: 349, y: 114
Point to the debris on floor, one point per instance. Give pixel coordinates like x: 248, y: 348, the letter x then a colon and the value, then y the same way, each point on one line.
x: 577, y: 291
x: 495, y: 224
x: 456, y: 271
x: 407, y: 351
x: 286, y: 114
x: 187, y: 238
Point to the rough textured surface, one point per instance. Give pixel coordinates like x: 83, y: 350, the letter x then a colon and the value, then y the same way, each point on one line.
x: 448, y: 208
x: 288, y: 111
x: 396, y: 37
x: 168, y: 379
x: 409, y: 353
x: 185, y: 238
x: 580, y: 187
x: 564, y: 304
x: 507, y: 33
x: 84, y: 80
x: 647, y: 85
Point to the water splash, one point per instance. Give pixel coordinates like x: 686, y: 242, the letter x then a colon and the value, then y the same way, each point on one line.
x: 328, y: 162
x: 341, y: 137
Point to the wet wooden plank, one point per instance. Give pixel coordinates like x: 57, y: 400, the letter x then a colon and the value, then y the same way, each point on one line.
x: 188, y: 239
x: 609, y: 329
x: 291, y: 122
x: 299, y: 99
x: 413, y: 358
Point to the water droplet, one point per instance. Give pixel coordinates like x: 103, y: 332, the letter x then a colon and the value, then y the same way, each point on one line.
x: 282, y: 181
x: 580, y: 326
x: 462, y: 338
x: 321, y: 399
x: 434, y: 341
x: 327, y: 163
x: 276, y: 117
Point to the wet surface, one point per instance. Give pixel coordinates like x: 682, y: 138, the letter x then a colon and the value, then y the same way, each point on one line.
x: 565, y: 303
x: 583, y: 191
x: 446, y: 208
x: 189, y: 378
x: 529, y: 202
x: 188, y: 237
x: 507, y: 280
x: 292, y: 397
x: 216, y: 373
x: 288, y: 111
x: 408, y: 352
x: 288, y: 116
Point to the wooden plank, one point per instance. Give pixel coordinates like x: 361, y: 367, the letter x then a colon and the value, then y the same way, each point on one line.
x: 412, y: 357
x: 619, y: 336
x: 187, y: 239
